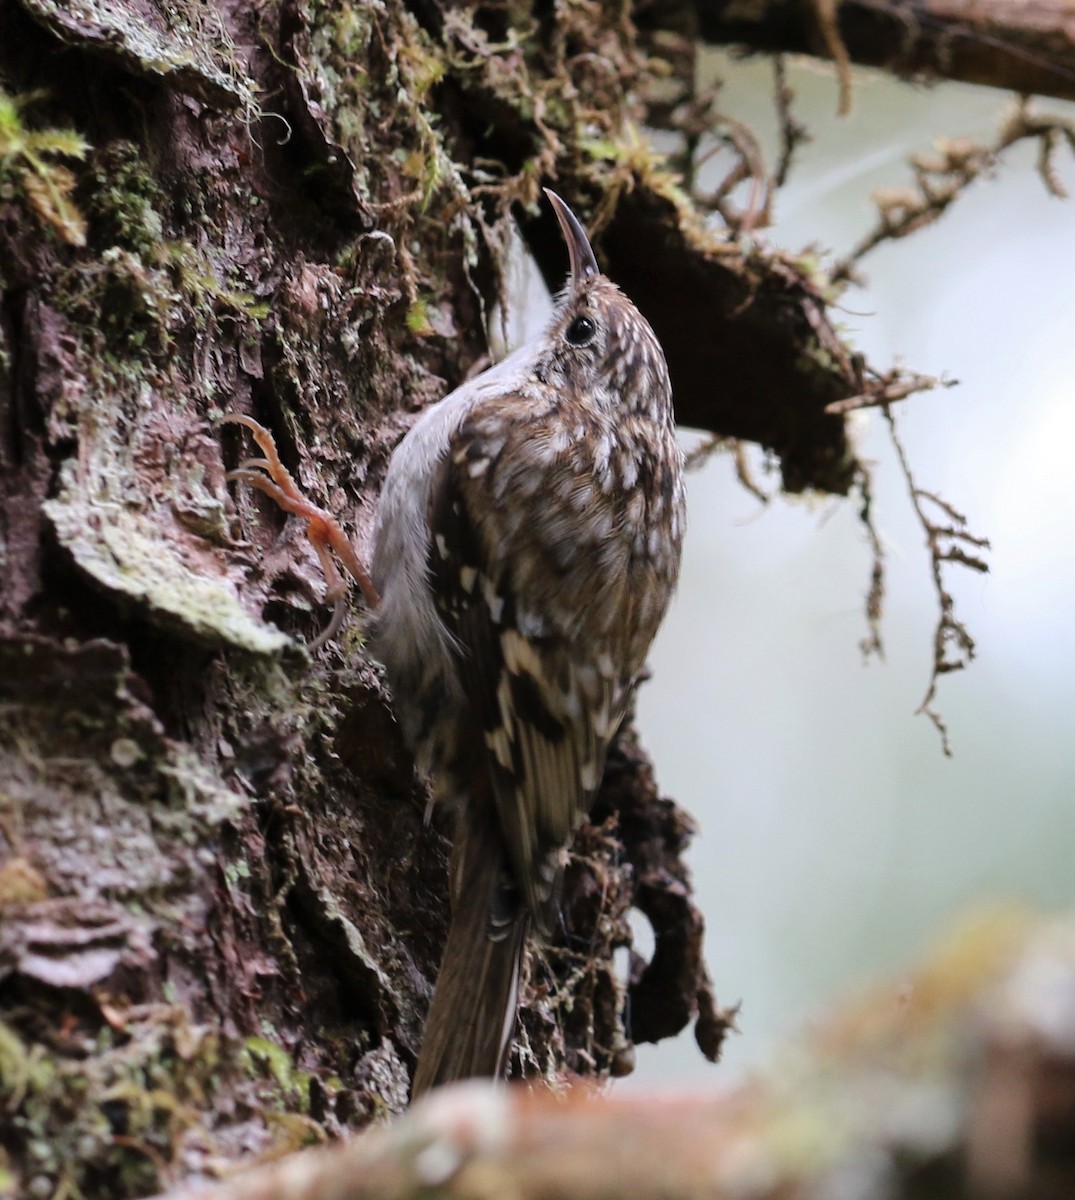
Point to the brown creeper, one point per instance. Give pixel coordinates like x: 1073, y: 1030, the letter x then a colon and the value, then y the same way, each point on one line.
x: 526, y: 547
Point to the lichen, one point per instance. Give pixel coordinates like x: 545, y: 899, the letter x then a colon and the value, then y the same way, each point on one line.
x: 188, y: 46
x: 123, y: 199
x: 125, y: 551
x: 119, y: 1114
x: 110, y: 1096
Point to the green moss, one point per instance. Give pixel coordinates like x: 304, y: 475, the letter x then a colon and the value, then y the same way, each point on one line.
x: 236, y: 873
x: 27, y: 167
x: 422, y: 64
x: 394, y: 109
x: 199, y: 284
x: 418, y: 318
x: 265, y: 1059
x: 123, y: 201
x: 114, y: 1114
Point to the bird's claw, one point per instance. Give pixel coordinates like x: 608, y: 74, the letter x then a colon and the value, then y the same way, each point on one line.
x: 269, y: 475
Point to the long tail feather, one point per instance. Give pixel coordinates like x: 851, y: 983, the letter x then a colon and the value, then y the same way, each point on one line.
x: 468, y: 1032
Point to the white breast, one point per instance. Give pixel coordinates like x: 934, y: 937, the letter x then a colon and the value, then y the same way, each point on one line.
x: 407, y: 622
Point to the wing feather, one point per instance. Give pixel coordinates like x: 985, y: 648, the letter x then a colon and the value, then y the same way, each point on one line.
x: 545, y: 710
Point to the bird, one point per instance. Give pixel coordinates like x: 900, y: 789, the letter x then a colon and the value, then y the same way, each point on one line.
x: 526, y: 546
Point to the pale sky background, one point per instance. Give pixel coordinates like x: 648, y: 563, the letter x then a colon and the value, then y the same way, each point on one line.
x: 836, y: 840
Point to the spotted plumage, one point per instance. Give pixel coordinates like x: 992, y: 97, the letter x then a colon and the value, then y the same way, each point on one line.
x: 527, y: 545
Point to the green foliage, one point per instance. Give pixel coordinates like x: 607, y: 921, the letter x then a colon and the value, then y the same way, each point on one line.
x: 264, y: 1059
x: 27, y: 167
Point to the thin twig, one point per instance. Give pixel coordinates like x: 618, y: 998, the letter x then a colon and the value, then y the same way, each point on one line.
x: 941, y: 178
x: 888, y: 389
x: 875, y: 594
x: 715, y: 444
x: 827, y: 21
x: 792, y: 133
x: 953, y: 646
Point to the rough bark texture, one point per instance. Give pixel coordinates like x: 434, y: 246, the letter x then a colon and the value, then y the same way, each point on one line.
x: 220, y: 910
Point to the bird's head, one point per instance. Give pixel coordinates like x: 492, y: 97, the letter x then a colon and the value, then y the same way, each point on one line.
x: 598, y: 345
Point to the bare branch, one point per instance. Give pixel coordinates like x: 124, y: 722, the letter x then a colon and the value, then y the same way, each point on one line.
x: 1015, y: 47
x: 888, y: 389
x: 953, y: 646
x: 875, y: 594
x: 941, y: 178
x: 792, y: 133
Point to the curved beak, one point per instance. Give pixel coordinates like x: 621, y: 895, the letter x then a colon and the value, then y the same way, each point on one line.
x: 583, y: 263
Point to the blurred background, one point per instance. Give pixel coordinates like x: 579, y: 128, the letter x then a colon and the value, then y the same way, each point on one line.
x: 836, y: 840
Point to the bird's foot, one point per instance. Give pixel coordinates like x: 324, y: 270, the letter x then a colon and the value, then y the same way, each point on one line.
x: 269, y: 475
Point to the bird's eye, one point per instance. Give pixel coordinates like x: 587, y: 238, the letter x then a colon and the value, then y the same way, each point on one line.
x: 581, y: 331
